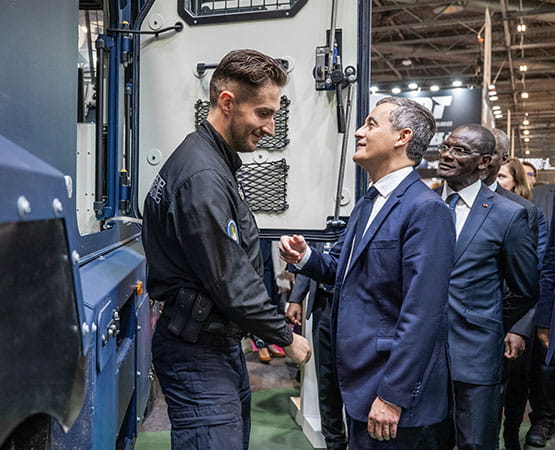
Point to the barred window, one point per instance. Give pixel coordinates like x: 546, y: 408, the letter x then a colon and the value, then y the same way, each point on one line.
x: 197, y: 12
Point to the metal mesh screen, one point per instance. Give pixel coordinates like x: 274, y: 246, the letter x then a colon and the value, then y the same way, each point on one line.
x: 265, y: 185
x: 212, y: 7
x: 278, y: 141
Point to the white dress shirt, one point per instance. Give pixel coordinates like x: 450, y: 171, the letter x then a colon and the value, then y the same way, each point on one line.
x: 385, y: 186
x: 468, y: 196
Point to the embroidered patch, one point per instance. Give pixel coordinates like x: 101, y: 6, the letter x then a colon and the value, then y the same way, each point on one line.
x: 232, y: 231
x: 157, y: 188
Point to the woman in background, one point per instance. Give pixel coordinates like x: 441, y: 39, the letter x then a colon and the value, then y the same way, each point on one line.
x: 512, y: 177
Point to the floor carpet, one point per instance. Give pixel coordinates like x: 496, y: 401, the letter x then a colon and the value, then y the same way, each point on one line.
x: 272, y: 425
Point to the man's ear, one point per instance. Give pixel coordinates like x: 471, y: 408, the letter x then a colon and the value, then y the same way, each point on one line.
x: 405, y: 135
x: 226, y: 100
x: 485, y: 161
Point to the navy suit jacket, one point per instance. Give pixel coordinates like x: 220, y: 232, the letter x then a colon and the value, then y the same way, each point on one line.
x: 544, y: 312
x: 494, y: 245
x: 525, y: 326
x: 389, y: 328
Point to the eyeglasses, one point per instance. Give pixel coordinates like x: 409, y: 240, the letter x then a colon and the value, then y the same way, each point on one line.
x: 457, y: 151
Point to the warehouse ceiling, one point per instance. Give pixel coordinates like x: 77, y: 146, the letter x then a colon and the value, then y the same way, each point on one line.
x: 435, y: 42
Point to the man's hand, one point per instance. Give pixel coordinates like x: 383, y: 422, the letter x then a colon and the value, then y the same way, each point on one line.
x: 543, y: 336
x: 299, y: 350
x: 383, y: 419
x: 292, y: 248
x: 294, y: 313
x: 514, y: 346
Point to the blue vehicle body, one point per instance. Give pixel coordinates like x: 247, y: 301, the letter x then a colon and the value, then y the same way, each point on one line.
x: 75, y: 369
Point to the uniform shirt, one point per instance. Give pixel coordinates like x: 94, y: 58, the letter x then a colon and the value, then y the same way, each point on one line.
x: 199, y: 233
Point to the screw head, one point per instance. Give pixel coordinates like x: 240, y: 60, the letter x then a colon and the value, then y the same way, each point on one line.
x: 57, y: 206
x: 23, y: 206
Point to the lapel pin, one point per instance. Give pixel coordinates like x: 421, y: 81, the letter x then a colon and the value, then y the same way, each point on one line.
x: 485, y: 205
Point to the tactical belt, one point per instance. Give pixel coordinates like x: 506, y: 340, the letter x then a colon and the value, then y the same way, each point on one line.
x: 185, y: 318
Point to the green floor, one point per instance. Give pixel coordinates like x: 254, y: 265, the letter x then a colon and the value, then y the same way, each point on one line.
x: 272, y: 426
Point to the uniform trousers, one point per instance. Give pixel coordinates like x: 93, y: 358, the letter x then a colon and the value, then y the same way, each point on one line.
x: 207, y: 391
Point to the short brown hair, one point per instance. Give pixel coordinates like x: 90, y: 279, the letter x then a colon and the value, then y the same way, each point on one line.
x: 245, y: 71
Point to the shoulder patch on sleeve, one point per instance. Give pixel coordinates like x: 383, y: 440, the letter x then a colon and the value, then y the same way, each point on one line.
x: 157, y: 189
x: 232, y: 231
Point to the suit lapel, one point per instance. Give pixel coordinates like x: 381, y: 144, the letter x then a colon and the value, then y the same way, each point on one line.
x: 393, y: 199
x: 478, y: 213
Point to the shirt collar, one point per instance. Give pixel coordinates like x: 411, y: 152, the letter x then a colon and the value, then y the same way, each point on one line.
x: 231, y: 158
x: 493, y: 186
x: 386, y: 185
x: 468, y: 194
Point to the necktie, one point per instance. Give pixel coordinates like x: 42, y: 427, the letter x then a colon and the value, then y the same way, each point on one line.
x: 365, y: 211
x: 452, y: 201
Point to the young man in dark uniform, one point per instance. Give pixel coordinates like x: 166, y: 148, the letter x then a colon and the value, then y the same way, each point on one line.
x: 204, y: 262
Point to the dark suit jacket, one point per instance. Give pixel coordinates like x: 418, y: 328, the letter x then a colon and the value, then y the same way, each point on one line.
x: 525, y: 326
x: 542, y: 197
x: 389, y: 325
x: 545, y: 317
x: 494, y: 246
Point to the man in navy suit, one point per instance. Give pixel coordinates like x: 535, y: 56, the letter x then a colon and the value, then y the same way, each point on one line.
x: 319, y: 307
x: 493, y: 245
x: 542, y: 396
x: 391, y: 273
x: 518, y: 341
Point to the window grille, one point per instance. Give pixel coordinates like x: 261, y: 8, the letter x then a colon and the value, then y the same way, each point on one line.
x: 196, y: 12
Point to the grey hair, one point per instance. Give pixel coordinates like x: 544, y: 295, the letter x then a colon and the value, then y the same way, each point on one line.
x: 411, y: 114
x: 502, y: 141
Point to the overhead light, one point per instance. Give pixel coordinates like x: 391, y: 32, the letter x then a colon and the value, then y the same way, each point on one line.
x: 525, y: 122
x: 451, y: 9
x: 494, y: 98
x: 434, y: 88
x: 457, y: 83
x: 491, y: 86
x: 396, y: 90
x: 521, y: 28
x: 526, y: 139
x: 527, y: 152
x: 406, y: 62
x: 496, y: 107
x: 524, y: 94
x: 374, y: 89
x: 525, y: 132
x: 413, y: 86
x: 493, y: 92
x: 523, y: 68
x: 497, y: 113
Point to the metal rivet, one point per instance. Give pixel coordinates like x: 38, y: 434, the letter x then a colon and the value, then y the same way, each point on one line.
x: 138, y: 373
x: 75, y: 257
x: 139, y: 328
x: 94, y: 327
x: 57, y: 206
x: 23, y: 206
x: 85, y: 328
